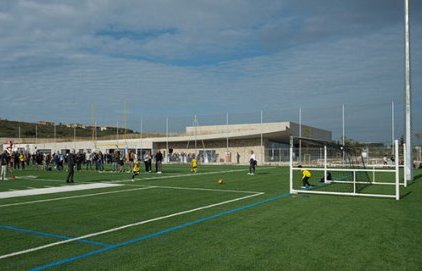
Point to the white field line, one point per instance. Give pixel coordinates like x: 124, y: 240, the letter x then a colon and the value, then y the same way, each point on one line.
x: 155, y: 178
x: 57, y: 181
x: 74, y: 197
x: 207, y: 189
x: 125, y: 227
x: 185, y: 175
x: 147, y: 178
x: 31, y: 191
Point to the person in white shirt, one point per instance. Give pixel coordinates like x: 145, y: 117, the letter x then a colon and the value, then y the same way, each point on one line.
x: 252, y: 163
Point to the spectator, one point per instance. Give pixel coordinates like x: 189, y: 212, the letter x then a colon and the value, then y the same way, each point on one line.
x: 71, y: 160
x: 158, y: 162
x: 147, y: 162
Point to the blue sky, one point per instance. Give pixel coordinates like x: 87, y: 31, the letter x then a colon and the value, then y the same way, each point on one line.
x: 179, y: 58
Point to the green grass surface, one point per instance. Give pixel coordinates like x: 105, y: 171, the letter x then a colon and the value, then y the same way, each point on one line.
x: 269, y: 231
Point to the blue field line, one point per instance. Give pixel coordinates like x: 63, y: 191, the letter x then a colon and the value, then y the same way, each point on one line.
x: 53, y: 235
x: 171, y: 229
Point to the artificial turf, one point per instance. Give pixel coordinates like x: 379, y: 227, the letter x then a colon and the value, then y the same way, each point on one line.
x: 270, y: 231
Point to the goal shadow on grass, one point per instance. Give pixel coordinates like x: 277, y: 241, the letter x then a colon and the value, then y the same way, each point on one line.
x: 417, y: 177
x: 405, y: 195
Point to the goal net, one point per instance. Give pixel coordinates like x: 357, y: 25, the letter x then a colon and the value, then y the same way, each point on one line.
x: 327, y: 168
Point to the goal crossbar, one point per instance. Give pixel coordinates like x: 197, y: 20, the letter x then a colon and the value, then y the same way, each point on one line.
x: 354, y: 182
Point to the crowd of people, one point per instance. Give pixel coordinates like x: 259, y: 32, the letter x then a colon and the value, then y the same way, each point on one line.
x: 93, y: 160
x: 90, y: 160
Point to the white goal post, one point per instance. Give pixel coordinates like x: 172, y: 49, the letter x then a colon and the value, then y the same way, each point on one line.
x: 348, y: 181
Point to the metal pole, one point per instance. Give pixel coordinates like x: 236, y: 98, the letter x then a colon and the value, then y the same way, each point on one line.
x: 95, y: 135
x: 325, y: 163
x: 408, y: 95
x: 396, y: 147
x: 227, y: 131
x: 291, y: 166
x: 125, y: 116
x: 141, y: 128
x: 262, y: 140
x: 195, y: 125
x: 300, y: 135
x: 405, y: 162
x: 140, y: 154
x: 117, y: 130
x: 392, y: 127
x: 36, y: 133
x: 19, y: 133
x: 226, y: 159
x: 167, y: 139
x: 343, y: 136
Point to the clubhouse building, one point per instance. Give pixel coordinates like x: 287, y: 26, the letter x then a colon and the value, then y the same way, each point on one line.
x: 212, y: 144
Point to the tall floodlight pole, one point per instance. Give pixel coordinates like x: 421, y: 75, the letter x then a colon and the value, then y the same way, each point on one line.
x: 408, y: 96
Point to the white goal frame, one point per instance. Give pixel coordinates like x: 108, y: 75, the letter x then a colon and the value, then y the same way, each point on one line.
x: 394, y: 170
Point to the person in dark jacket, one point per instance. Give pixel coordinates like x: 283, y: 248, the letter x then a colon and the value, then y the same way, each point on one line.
x: 71, y: 160
x: 158, y: 162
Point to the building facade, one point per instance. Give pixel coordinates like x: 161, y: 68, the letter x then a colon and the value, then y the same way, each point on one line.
x: 211, y: 144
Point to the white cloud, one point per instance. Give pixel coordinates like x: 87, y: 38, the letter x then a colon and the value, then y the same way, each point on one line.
x: 209, y: 57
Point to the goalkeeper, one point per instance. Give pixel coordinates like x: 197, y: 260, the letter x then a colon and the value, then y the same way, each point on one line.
x: 194, y: 165
x: 136, y: 169
x: 306, y: 174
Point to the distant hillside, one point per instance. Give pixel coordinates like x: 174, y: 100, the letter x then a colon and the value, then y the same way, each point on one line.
x: 10, y: 129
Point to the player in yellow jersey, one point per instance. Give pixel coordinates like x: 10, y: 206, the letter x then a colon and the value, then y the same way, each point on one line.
x: 306, y: 174
x: 136, y: 169
x: 194, y: 165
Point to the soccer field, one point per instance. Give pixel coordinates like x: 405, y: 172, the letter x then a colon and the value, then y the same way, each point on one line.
x: 184, y: 221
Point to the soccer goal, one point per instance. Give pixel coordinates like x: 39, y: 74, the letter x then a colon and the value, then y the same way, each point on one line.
x: 333, y: 169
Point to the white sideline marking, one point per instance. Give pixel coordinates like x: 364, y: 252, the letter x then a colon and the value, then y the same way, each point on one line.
x: 184, y: 175
x: 124, y: 227
x: 74, y: 197
x: 207, y: 189
x: 51, y: 190
x: 26, y: 177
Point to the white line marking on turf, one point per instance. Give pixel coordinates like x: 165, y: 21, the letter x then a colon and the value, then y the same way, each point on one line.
x: 124, y: 227
x: 181, y: 175
x: 41, y: 191
x: 207, y: 189
x: 74, y: 197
